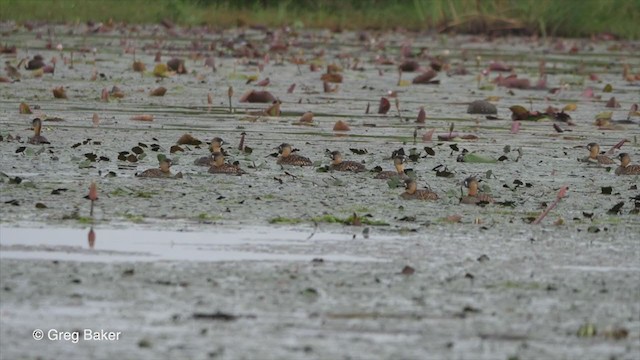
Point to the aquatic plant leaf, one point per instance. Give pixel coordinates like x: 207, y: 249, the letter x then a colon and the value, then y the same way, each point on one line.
x: 359, y: 151
x: 426, y: 78
x: 570, y: 107
x: 331, y: 78
x: 159, y: 91
x: 606, y: 190
x: 142, y: 117
x: 616, y: 209
x: 25, y: 109
x: 253, y: 96
x: 341, y: 126
x: 161, y: 70
x: 519, y: 112
x: 607, y: 88
x: 138, y: 66
x: 407, y: 270
x: 429, y: 151
x: 605, y: 115
x: 384, y: 106
x: 188, y: 139
x: 474, y: 158
x: 307, y: 117
x: 422, y: 116
x: 59, y: 93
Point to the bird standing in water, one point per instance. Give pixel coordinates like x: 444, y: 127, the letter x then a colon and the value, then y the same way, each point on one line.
x: 412, y: 192
x: 625, y: 168
x: 398, y: 162
x: 220, y: 167
x: 287, y: 158
x: 215, y: 147
x: 164, y: 171
x: 337, y: 164
x: 596, y: 157
x: 474, y: 197
x: 37, y: 139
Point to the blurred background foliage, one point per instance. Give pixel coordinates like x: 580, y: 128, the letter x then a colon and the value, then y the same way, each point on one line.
x: 543, y: 17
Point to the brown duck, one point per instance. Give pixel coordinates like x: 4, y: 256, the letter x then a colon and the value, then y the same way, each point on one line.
x: 37, y: 138
x: 596, y: 157
x: 220, y: 167
x: 474, y: 198
x: 338, y: 165
x: 163, y: 171
x: 215, y: 147
x: 412, y: 192
x: 625, y: 168
x: 398, y: 162
x: 287, y: 158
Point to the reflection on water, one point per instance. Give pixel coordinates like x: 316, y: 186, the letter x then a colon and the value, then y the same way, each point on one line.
x: 92, y: 238
x: 254, y: 244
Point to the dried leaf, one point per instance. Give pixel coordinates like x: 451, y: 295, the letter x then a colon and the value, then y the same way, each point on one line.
x: 160, y: 91
x: 426, y: 78
x: 384, y: 106
x: 481, y: 107
x: 331, y: 78
x: 307, y: 117
x: 187, y: 139
x: 138, y: 66
x: 59, y: 93
x: 341, y: 126
x: 253, y: 96
x: 177, y: 65
x: 407, y: 270
x: 422, y: 116
x: 143, y: 117
x: 612, y: 103
x: 607, y: 88
x: 570, y: 107
x: 25, y: 109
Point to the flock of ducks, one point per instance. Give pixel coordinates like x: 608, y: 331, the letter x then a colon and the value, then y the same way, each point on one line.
x: 625, y: 160
x: 217, y: 165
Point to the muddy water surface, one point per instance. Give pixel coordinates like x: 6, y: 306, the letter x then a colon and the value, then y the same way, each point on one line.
x: 168, y: 251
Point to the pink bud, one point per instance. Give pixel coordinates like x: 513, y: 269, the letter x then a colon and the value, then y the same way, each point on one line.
x: 515, y: 127
x: 93, y: 191
x: 92, y: 238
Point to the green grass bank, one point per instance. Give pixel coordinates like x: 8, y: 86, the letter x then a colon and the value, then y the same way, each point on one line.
x: 575, y: 18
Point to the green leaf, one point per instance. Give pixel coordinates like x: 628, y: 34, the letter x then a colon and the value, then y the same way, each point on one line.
x: 477, y: 159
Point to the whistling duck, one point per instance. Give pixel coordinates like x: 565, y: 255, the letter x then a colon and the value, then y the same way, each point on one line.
x: 216, y: 146
x: 220, y: 167
x: 594, y: 155
x: 625, y: 168
x: 398, y: 162
x: 287, y: 158
x: 163, y: 171
x: 474, y: 198
x: 412, y: 193
x: 37, y: 138
x: 338, y: 165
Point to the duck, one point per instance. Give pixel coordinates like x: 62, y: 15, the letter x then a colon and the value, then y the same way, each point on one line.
x: 473, y: 197
x: 338, y: 165
x: 412, y: 192
x: 595, y: 157
x: 398, y: 162
x: 625, y: 168
x: 215, y: 147
x: 287, y: 158
x: 37, y: 138
x: 218, y: 166
x: 164, y: 171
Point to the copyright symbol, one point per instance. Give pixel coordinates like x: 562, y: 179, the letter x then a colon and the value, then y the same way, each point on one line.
x: 38, y: 334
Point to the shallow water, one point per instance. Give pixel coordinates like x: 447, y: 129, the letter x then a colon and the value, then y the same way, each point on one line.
x: 129, y: 245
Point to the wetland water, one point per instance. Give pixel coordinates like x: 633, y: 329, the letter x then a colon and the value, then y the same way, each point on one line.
x: 186, y: 267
